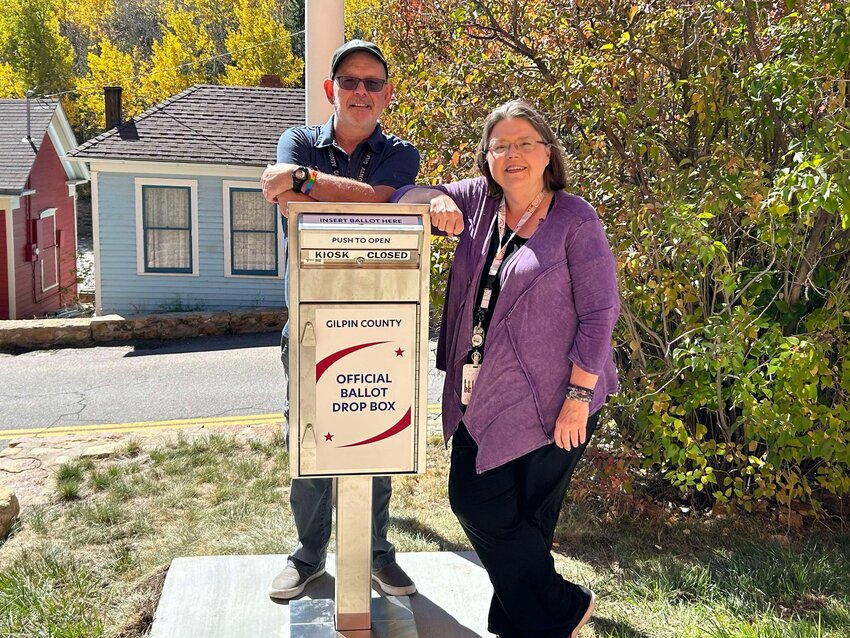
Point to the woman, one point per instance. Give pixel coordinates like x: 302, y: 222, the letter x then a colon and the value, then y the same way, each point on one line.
x: 526, y: 346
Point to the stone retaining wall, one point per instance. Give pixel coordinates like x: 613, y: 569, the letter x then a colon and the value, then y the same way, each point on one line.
x: 36, y: 334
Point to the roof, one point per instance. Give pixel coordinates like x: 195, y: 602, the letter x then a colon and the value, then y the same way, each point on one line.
x: 17, y: 155
x: 205, y: 124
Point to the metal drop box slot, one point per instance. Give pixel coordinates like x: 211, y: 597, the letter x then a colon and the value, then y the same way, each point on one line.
x: 358, y: 313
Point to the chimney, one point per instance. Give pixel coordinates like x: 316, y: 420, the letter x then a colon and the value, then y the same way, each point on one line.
x: 112, y: 98
x: 271, y: 81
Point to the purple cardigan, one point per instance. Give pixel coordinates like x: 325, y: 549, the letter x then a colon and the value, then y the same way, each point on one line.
x: 558, y: 305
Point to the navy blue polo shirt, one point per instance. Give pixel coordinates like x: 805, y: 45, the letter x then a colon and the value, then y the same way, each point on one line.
x: 393, y: 162
x: 383, y: 160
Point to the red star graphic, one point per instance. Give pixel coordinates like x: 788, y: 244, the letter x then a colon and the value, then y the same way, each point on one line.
x: 329, y: 437
x: 399, y: 352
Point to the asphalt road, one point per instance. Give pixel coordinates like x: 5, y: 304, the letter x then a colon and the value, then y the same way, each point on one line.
x: 191, y: 378
x: 199, y: 378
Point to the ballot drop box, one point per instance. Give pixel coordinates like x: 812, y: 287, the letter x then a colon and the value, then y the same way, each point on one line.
x: 358, y: 364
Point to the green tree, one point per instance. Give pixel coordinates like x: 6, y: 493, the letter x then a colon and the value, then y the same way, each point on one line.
x: 259, y: 45
x: 30, y: 43
x: 713, y: 138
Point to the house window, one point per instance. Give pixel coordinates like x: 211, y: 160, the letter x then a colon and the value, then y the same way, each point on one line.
x: 167, y: 227
x: 251, y: 232
x: 167, y: 223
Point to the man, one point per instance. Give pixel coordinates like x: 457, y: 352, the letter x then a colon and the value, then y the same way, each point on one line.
x: 348, y: 159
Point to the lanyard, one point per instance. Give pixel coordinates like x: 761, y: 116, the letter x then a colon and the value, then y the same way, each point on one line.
x: 367, y: 157
x: 478, y: 330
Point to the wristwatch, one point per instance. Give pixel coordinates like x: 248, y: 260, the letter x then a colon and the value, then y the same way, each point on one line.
x: 299, y: 176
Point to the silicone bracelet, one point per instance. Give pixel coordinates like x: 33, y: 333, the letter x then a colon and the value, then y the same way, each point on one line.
x: 311, y: 181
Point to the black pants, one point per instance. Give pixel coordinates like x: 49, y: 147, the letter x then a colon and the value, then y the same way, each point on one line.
x: 509, y: 515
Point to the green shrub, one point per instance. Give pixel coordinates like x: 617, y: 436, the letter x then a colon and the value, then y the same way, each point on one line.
x: 714, y: 140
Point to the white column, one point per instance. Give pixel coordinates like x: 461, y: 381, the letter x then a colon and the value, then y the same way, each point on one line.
x: 324, y: 32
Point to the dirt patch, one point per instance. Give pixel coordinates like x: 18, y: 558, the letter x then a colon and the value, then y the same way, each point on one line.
x: 149, y: 591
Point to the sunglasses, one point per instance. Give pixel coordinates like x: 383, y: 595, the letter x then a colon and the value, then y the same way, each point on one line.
x: 373, y: 85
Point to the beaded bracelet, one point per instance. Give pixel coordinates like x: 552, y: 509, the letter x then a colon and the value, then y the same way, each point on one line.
x: 579, y: 393
x: 311, y: 182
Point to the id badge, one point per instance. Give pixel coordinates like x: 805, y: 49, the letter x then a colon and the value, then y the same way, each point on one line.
x: 470, y: 374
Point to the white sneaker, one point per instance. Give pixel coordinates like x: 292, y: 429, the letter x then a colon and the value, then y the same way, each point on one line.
x: 291, y: 582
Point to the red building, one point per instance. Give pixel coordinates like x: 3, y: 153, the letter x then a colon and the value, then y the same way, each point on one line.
x: 38, y: 202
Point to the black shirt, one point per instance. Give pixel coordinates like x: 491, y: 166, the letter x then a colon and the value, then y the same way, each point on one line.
x: 517, y: 243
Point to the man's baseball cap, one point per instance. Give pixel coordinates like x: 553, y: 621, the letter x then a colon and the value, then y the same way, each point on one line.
x: 353, y: 46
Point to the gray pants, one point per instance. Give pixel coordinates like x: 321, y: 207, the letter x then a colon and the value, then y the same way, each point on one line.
x: 311, y: 501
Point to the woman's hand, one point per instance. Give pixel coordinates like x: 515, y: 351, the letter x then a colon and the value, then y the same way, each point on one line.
x: 446, y: 216
x: 571, y: 425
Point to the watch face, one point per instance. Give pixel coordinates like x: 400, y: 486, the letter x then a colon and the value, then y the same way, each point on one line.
x: 299, y: 176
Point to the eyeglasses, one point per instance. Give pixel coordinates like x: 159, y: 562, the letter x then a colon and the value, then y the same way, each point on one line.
x: 349, y: 83
x: 499, y: 149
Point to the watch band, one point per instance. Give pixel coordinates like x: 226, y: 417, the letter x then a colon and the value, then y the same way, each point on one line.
x: 299, y: 176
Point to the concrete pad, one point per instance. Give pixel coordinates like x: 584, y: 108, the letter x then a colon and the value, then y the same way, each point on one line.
x: 227, y: 596
x: 392, y: 617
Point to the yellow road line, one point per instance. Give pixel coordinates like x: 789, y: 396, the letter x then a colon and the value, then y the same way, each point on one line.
x: 248, y: 419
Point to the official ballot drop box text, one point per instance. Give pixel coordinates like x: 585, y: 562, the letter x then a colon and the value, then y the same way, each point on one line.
x: 358, y: 313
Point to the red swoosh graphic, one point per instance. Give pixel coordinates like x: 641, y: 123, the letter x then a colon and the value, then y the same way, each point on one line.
x: 398, y: 427
x: 331, y: 359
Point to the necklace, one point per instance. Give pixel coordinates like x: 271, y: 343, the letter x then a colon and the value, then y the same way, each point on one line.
x: 471, y: 370
x: 478, y: 329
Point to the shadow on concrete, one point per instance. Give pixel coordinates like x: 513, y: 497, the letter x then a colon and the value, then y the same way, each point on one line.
x: 205, y: 344
x: 440, y: 623
x: 432, y: 620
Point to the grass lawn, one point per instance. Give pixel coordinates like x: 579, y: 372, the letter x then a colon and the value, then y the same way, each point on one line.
x: 91, y: 562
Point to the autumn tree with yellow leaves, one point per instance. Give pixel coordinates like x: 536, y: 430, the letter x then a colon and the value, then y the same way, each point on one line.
x: 108, y: 66
x: 33, y: 53
x: 259, y: 44
x: 152, y: 48
x: 178, y: 60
